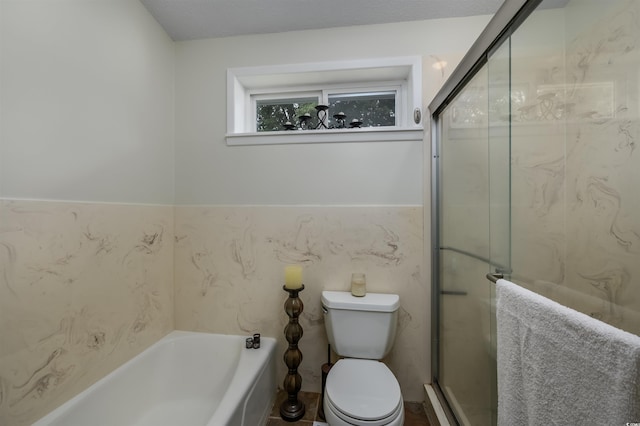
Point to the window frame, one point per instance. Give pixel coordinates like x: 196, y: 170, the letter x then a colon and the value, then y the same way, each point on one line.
x: 245, y: 86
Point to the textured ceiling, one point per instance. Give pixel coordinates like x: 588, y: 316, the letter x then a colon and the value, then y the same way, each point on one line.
x: 196, y: 19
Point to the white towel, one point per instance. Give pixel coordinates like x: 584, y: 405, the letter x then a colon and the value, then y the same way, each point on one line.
x: 557, y: 366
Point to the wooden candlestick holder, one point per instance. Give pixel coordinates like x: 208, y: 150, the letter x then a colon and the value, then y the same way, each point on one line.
x: 292, y: 409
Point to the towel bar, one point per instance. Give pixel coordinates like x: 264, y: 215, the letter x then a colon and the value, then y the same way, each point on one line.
x: 495, y: 277
x: 453, y: 293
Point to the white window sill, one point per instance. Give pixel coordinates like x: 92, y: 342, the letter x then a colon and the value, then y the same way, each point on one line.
x: 391, y: 134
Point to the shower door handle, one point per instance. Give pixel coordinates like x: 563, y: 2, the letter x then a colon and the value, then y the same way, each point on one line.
x: 495, y: 277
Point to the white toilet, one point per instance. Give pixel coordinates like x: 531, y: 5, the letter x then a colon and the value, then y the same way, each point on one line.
x: 360, y: 390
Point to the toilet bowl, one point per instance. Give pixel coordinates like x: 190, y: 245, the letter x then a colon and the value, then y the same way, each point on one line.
x: 360, y: 390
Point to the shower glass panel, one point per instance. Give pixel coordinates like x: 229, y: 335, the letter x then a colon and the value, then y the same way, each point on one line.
x: 538, y: 149
x: 464, y: 367
x: 501, y: 97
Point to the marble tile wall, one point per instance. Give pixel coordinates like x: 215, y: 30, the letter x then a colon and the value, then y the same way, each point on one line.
x: 229, y: 265
x: 83, y: 288
x: 602, y: 167
x: 576, y: 204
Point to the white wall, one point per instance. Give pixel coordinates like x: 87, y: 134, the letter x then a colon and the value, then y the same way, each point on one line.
x: 86, y: 109
x: 87, y: 102
x: 210, y: 172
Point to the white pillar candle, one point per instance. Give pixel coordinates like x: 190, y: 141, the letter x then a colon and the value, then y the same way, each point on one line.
x: 293, y: 277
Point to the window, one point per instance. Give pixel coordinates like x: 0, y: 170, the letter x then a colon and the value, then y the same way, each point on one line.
x: 364, y: 100
x: 373, y: 109
x: 272, y: 113
x: 362, y: 108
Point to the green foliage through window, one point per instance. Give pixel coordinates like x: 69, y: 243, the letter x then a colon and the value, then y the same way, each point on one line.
x: 373, y: 109
x: 273, y: 114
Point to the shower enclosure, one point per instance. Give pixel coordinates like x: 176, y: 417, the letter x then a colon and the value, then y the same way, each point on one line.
x: 534, y: 176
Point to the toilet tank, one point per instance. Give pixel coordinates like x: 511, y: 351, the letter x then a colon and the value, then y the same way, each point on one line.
x: 360, y: 327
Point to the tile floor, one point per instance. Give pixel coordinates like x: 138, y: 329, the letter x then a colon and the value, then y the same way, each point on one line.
x: 414, y: 414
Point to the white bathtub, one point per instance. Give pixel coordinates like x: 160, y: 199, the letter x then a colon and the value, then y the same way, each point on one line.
x: 185, y: 379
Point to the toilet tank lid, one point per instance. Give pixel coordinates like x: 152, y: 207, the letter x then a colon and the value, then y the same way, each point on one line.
x: 374, y: 302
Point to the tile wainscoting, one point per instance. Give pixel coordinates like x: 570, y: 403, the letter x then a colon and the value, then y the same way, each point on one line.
x: 230, y: 269
x: 86, y: 286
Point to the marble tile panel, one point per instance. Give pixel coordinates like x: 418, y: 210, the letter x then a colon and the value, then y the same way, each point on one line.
x: 603, y: 169
x: 83, y: 288
x: 575, y: 176
x: 229, y: 266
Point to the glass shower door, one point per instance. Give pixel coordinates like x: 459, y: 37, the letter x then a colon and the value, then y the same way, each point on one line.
x: 464, y: 367
x: 474, y: 236
x: 533, y: 173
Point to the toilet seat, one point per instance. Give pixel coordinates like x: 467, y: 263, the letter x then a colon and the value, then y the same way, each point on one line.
x: 335, y: 417
x: 363, y: 392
